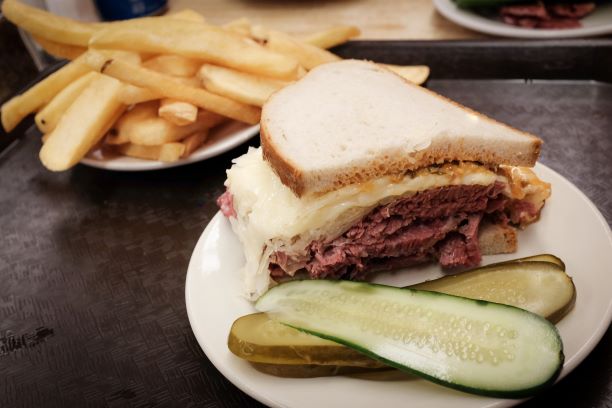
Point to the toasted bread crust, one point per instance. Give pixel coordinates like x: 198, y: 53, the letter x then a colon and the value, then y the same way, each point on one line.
x: 442, y: 149
x: 287, y: 171
x: 496, y: 239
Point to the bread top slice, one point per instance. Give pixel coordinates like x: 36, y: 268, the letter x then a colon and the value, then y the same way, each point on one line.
x: 352, y: 121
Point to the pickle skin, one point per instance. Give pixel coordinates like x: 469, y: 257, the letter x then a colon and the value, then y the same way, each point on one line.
x: 313, y: 370
x: 533, y: 258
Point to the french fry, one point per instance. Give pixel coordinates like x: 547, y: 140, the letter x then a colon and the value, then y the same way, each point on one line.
x: 177, y: 112
x: 174, y: 65
x: 209, y: 120
x: 82, y: 125
x: 198, y: 41
x: 187, y: 15
x: 169, y: 87
x: 301, y: 72
x: 241, y: 26
x: 131, y: 95
x: 168, y: 152
x: 417, y: 74
x: 308, y: 55
x: 125, y: 56
x: 194, y: 141
x: 112, y: 138
x: 47, y: 25
x: 17, y: 108
x: 241, y: 87
x: 260, y: 33
x: 64, y: 30
x: 107, y: 129
x: 142, y: 126
x: 47, y: 118
x: 140, y: 152
x: 332, y: 36
x: 171, y: 152
x: 193, y: 81
x: 60, y: 50
x: 156, y: 131
x: 120, y: 131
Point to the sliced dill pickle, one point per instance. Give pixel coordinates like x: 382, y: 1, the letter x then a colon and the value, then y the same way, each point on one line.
x: 539, y: 287
x: 259, y: 339
x: 471, y: 345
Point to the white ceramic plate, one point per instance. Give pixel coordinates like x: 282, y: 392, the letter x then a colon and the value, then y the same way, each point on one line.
x: 220, y: 140
x: 570, y: 227
x: 597, y: 23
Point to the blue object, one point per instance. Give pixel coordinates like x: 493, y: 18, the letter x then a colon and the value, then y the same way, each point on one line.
x: 125, y: 9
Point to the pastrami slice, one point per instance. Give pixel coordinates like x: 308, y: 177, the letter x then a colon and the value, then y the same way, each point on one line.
x: 440, y: 223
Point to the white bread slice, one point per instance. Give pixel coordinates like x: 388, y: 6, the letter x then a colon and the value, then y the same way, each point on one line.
x: 352, y: 121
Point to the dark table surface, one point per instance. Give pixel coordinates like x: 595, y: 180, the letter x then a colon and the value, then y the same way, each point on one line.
x: 93, y: 263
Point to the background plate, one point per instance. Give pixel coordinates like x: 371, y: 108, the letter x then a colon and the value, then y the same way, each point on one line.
x: 214, y: 301
x: 597, y: 23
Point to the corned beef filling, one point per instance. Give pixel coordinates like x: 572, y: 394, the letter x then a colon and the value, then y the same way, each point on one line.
x: 440, y: 223
x: 226, y: 204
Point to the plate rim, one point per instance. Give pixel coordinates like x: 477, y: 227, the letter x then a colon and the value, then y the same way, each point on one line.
x: 569, y: 365
x: 221, y: 146
x: 474, y: 22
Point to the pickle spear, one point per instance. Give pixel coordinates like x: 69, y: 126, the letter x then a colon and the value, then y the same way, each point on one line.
x: 537, y: 285
x: 540, y: 287
x: 471, y: 345
x: 540, y: 258
x: 259, y: 339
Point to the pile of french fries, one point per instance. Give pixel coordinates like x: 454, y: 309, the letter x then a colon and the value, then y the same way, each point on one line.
x: 154, y: 87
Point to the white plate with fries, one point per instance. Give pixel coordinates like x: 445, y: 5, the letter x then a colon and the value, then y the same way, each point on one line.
x: 214, y: 299
x: 157, y: 92
x: 220, y: 140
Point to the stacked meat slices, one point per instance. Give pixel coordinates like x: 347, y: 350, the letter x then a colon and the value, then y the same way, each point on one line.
x: 439, y: 223
x: 540, y: 15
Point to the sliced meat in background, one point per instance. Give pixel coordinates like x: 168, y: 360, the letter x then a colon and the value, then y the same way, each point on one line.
x: 546, y: 16
x: 572, y: 11
x: 537, y: 11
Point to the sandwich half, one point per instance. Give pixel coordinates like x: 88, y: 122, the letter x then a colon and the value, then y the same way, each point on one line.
x: 360, y: 171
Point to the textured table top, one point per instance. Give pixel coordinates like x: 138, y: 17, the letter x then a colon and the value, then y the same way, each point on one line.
x: 377, y: 19
x: 93, y: 263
